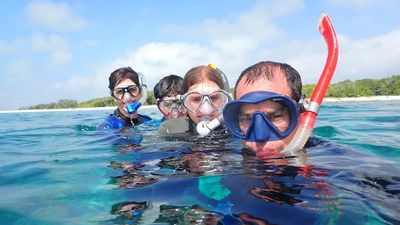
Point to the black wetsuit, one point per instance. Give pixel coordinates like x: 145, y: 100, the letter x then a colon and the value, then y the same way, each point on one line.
x: 119, y: 120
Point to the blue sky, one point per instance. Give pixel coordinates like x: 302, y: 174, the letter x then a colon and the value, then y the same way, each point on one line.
x: 51, y: 50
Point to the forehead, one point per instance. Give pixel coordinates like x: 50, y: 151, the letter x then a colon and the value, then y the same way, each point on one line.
x: 266, y: 106
x: 278, y: 85
x: 171, y: 98
x: 125, y: 82
x: 205, y: 86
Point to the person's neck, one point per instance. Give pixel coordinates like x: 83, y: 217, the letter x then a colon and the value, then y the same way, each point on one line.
x: 127, y: 115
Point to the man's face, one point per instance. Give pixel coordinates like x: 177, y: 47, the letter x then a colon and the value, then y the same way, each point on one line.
x: 278, y: 85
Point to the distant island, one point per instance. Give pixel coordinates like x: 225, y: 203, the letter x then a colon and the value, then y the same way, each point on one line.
x: 389, y: 86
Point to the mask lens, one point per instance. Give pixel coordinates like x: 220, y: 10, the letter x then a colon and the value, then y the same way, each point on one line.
x: 166, y: 106
x: 118, y: 93
x: 133, y: 90
x: 218, y: 99
x: 275, y: 113
x: 192, y: 101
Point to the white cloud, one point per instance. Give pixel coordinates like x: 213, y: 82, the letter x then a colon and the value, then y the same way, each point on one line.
x: 250, y: 30
x: 241, y: 43
x: 57, y: 47
x: 59, y: 57
x: 374, y: 57
x: 54, y: 16
x: 283, y: 7
x: 20, y: 67
x: 359, y: 3
x: 89, y: 42
x: 235, y: 40
x: 245, y: 31
x: 11, y: 47
x: 154, y: 60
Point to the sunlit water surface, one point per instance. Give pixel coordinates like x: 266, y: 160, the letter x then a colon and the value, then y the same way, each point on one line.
x: 55, y: 168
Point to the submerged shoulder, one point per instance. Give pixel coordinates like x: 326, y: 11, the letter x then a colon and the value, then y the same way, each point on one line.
x: 144, y: 118
x: 174, y: 126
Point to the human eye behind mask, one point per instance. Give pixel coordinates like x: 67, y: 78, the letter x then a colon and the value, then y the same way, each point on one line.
x: 171, y: 107
x: 261, y: 116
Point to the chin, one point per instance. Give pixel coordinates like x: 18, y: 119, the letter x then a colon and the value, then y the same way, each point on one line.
x: 270, y: 149
x: 197, y: 118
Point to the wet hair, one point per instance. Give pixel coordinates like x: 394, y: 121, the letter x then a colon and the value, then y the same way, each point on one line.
x: 266, y: 69
x: 168, y: 86
x: 120, y: 74
x: 201, y: 73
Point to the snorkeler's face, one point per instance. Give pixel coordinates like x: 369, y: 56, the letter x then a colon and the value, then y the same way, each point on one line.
x: 126, y: 97
x: 206, y: 111
x: 171, y: 107
x: 277, y: 85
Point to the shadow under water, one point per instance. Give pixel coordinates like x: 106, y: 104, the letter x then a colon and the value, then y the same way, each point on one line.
x: 214, y: 182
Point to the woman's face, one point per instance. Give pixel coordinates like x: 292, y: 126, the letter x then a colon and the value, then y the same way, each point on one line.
x: 205, y: 111
x: 126, y: 97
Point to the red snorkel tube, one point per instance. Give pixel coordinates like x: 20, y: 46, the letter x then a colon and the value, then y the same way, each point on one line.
x: 308, y: 118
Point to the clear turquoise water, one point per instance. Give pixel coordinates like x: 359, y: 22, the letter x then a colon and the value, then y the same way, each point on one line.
x: 56, y: 169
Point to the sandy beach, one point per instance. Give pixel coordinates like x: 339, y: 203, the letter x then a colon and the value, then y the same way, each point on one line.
x: 349, y: 99
x: 72, y: 109
x: 369, y: 98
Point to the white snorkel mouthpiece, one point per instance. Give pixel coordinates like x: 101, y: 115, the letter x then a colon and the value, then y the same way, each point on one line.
x: 205, y: 127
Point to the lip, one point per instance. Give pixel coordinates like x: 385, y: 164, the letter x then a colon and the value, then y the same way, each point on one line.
x: 267, y: 154
x: 205, y: 117
x: 264, y: 148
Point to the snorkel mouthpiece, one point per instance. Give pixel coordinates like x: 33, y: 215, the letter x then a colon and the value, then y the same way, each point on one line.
x: 206, y: 126
x: 133, y: 107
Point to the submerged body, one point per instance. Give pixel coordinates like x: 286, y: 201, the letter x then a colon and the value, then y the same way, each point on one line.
x: 55, y: 173
x: 118, y: 120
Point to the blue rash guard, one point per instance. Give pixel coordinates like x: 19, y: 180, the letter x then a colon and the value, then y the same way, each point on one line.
x: 119, y: 120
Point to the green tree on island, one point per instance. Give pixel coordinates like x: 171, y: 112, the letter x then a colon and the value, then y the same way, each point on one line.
x: 346, y: 88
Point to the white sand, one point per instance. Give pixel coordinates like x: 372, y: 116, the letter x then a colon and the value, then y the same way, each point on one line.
x: 71, y: 109
x: 356, y: 99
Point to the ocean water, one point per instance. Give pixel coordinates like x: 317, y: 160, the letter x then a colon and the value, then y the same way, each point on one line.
x: 55, y: 168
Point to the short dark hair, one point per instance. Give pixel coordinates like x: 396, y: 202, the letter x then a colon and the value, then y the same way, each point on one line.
x: 120, y: 74
x: 200, y: 73
x: 265, y: 69
x: 168, y: 86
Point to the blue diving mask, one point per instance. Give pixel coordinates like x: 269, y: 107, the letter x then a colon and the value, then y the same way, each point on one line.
x: 261, y: 116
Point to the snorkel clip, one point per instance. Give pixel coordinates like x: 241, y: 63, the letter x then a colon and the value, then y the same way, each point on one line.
x: 311, y: 107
